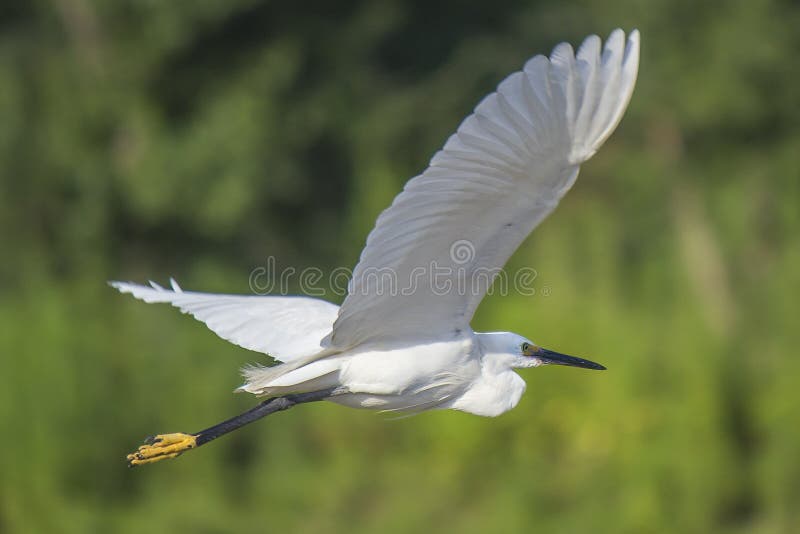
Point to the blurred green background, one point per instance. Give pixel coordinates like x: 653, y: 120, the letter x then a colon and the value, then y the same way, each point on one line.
x: 142, y: 139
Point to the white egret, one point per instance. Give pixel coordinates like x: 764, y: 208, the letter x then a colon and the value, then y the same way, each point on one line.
x: 497, y: 177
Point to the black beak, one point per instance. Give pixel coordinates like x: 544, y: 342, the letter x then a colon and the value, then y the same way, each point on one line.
x: 548, y: 356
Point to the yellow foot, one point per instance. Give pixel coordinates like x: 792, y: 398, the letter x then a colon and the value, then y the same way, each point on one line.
x: 161, y: 447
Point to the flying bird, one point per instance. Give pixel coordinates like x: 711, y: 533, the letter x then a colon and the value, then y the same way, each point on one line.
x: 502, y: 172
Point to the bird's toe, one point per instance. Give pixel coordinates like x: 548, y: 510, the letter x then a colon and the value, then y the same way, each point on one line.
x: 161, y: 447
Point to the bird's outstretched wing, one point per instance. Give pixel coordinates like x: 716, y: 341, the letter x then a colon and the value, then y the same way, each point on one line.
x: 428, y: 261
x: 286, y: 328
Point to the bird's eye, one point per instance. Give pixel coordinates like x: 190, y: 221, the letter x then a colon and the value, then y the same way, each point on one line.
x: 526, y: 347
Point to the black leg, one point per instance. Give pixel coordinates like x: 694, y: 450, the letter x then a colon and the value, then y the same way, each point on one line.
x: 164, y: 446
x: 269, y: 406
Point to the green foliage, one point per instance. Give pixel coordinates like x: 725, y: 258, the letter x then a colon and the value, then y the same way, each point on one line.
x: 148, y: 139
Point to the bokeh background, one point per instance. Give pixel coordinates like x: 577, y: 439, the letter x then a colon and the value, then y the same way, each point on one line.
x: 141, y: 140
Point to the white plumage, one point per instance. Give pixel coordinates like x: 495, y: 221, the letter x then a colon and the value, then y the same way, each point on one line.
x: 286, y: 328
x: 496, y: 178
x: 410, y: 347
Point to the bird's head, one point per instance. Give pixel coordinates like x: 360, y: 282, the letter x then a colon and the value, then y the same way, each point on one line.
x: 515, y: 351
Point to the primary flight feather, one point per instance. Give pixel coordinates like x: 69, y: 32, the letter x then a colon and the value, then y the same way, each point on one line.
x: 401, y: 340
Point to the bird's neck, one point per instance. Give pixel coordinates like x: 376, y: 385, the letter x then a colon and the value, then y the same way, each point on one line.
x: 498, y: 388
x: 492, y: 393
